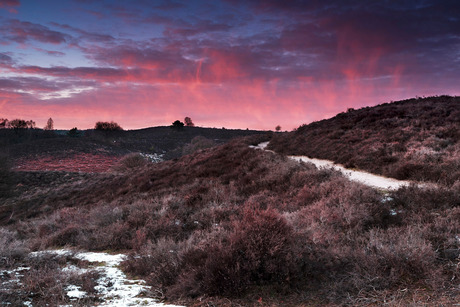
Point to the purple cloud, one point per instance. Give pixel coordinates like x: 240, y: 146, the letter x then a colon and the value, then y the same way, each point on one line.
x: 22, y: 31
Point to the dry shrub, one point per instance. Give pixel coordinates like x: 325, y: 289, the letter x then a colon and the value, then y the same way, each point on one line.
x: 6, y: 176
x: 130, y: 162
x: 12, y: 249
x: 197, y: 143
x: 69, y: 235
x: 396, y: 258
x: 159, y: 262
x: 45, y: 283
x: 257, y: 252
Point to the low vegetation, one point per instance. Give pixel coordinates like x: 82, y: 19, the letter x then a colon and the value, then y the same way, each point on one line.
x: 235, y: 223
x: 417, y: 139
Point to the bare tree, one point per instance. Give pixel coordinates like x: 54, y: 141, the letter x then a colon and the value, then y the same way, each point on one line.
x: 278, y: 128
x: 49, y: 124
x: 4, y: 123
x: 188, y: 122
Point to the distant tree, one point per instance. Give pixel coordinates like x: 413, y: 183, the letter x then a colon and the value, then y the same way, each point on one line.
x: 188, y: 122
x: 30, y: 124
x: 4, y: 123
x: 107, y: 126
x: 278, y: 128
x: 49, y: 124
x: 19, y: 124
x: 178, y: 124
x: 73, y: 132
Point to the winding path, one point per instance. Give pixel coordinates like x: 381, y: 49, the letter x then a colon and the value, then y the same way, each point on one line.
x: 366, y: 178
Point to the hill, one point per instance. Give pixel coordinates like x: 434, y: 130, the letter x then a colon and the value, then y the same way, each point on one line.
x: 97, y: 151
x: 230, y: 225
x: 416, y: 139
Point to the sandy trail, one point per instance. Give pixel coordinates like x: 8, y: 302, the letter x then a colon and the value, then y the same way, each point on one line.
x: 366, y: 178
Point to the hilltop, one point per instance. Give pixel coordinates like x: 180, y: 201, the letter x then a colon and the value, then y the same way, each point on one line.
x: 416, y: 139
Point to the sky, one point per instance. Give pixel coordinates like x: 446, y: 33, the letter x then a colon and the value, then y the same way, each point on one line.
x: 224, y: 63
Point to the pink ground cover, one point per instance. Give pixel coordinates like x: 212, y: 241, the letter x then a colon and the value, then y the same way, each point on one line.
x: 82, y: 162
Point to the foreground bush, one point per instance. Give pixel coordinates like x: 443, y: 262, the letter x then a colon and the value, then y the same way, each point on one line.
x: 129, y: 162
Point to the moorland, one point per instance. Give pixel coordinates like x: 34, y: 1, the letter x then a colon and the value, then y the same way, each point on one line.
x: 223, y: 224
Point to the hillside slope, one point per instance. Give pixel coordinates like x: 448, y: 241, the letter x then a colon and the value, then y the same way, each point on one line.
x: 416, y: 139
x: 231, y: 222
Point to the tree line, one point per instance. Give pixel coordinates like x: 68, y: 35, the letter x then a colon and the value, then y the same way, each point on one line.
x: 100, y: 125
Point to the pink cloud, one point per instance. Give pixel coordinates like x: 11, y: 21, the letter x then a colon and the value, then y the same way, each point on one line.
x: 10, y: 5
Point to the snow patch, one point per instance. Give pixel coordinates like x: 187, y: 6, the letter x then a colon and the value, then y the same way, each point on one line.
x: 155, y: 158
x: 113, y: 287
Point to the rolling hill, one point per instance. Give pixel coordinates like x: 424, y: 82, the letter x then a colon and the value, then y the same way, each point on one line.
x: 416, y: 139
x: 231, y: 225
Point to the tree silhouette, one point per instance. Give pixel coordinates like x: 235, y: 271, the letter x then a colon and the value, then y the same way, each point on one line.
x: 188, y: 122
x: 178, y: 124
x: 21, y: 124
x: 4, y: 123
x: 73, y: 132
x: 107, y: 126
x: 49, y: 124
x: 278, y: 128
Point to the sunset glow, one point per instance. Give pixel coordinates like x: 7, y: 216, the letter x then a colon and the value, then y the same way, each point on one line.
x: 225, y: 63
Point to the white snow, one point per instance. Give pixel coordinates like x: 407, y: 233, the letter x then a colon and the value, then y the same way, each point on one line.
x: 75, y: 292
x: 155, y: 158
x: 359, y: 176
x: 113, y: 287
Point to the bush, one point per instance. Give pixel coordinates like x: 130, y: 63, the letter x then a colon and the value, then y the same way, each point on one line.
x: 396, y: 258
x: 130, y: 162
x: 257, y: 252
x: 177, y: 125
x: 73, y: 132
x: 12, y: 249
x: 197, y: 143
x: 107, y: 126
x: 6, y: 176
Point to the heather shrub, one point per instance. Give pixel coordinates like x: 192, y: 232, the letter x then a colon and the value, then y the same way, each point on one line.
x: 130, y: 162
x: 258, y: 251
x: 45, y: 282
x: 197, y: 143
x: 396, y: 258
x: 6, y: 176
x: 159, y: 262
x: 12, y: 249
x: 68, y: 235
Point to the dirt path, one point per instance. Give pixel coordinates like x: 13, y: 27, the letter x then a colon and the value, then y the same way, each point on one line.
x: 366, y: 178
